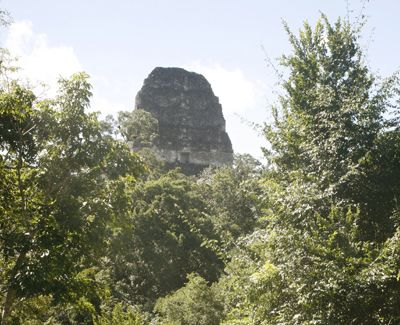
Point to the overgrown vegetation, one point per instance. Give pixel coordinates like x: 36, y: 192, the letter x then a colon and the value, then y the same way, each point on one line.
x: 92, y: 233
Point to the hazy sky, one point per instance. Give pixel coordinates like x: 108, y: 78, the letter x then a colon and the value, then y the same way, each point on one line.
x: 119, y: 42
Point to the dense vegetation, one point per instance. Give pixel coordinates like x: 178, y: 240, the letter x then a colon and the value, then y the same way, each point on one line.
x: 92, y: 233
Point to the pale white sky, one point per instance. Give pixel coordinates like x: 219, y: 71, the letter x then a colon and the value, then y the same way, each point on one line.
x: 119, y: 42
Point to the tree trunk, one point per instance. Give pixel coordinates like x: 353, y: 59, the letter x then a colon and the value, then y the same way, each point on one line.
x: 11, y: 294
x: 7, y: 307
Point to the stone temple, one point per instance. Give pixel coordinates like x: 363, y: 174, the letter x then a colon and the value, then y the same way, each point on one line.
x: 191, y: 124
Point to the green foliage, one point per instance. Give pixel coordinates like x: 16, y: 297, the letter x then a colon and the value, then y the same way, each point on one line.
x: 232, y: 197
x: 378, y: 189
x: 120, y: 316
x: 330, y: 116
x: 194, y: 304
x: 140, y: 131
x: 329, y: 125
x: 322, y: 276
x: 163, y: 242
x: 139, y: 128
x: 330, y: 196
x: 58, y: 173
x: 251, y: 286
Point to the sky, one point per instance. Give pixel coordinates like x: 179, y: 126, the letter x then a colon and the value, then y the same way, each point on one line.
x: 118, y: 43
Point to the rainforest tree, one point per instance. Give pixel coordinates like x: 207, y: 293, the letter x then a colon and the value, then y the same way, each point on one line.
x: 60, y: 170
x: 330, y: 194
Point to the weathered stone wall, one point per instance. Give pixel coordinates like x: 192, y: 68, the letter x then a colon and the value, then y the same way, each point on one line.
x: 191, y: 123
